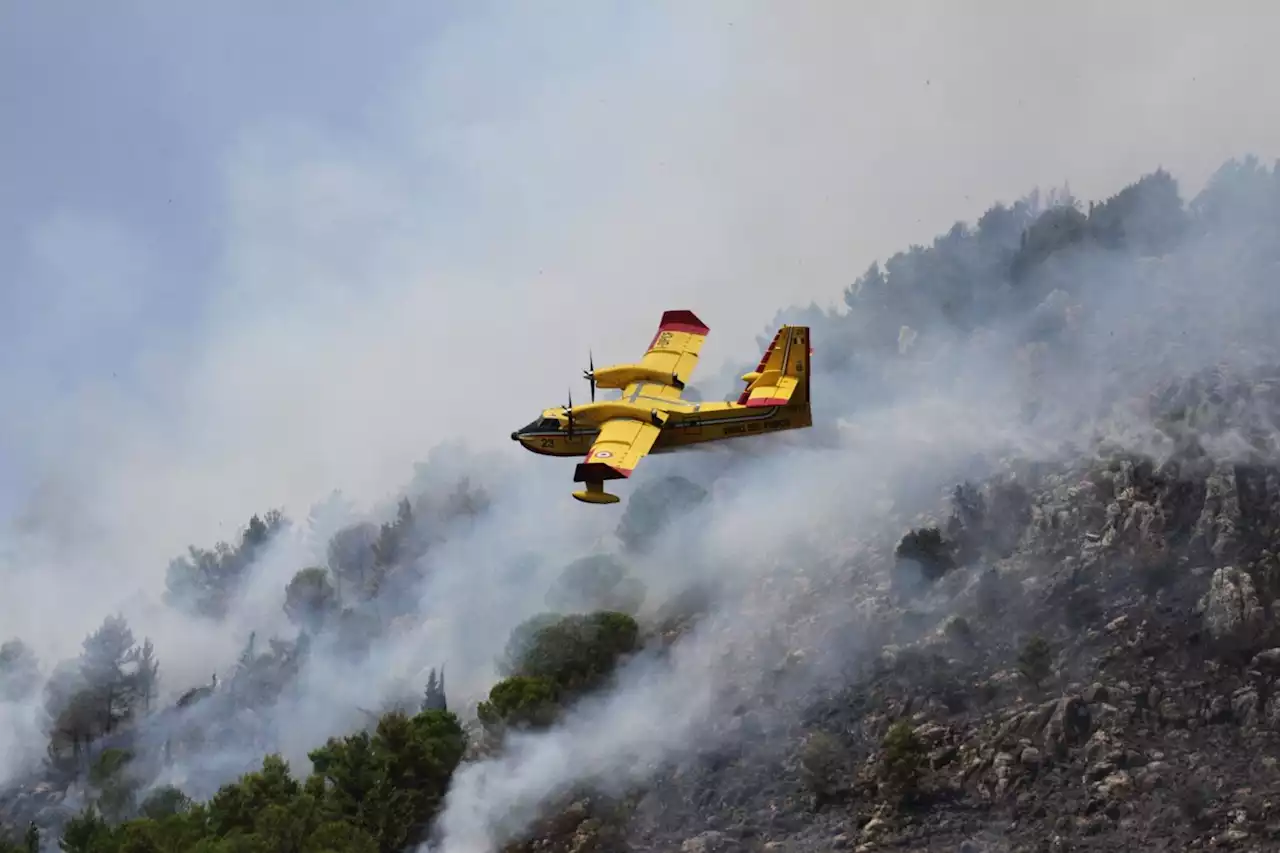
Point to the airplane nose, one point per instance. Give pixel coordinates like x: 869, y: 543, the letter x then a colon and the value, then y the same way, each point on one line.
x: 515, y: 436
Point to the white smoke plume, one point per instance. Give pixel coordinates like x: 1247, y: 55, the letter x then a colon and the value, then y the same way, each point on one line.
x: 369, y: 257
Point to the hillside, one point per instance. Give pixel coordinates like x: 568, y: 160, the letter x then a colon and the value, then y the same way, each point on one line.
x: 1028, y: 598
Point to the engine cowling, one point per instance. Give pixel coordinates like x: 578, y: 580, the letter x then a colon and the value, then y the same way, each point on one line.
x: 621, y: 375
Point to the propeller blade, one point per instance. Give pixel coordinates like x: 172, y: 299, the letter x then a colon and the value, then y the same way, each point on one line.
x: 591, y: 365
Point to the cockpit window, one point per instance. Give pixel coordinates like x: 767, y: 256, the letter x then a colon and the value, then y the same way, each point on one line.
x: 542, y: 425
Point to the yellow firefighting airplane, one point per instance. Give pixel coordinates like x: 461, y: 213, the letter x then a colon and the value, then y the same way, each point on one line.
x: 650, y: 417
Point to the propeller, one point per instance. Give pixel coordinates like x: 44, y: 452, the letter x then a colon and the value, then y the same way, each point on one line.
x: 568, y: 412
x: 590, y: 374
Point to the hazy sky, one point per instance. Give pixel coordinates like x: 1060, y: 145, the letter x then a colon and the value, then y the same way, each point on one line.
x: 249, y: 252
x: 253, y: 252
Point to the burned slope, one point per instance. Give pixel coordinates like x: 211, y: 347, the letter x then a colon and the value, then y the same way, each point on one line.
x: 1081, y: 655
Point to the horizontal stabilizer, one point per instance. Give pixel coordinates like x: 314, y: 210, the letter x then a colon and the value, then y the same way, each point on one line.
x: 771, y: 391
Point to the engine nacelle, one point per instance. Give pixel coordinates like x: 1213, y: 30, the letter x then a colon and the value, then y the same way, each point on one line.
x: 621, y: 375
x: 596, y: 414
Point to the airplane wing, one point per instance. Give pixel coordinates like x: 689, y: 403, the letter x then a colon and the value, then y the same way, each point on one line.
x: 622, y: 443
x: 674, y: 351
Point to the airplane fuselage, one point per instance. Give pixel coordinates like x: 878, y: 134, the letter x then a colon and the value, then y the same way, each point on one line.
x: 650, y: 415
x: 684, y: 424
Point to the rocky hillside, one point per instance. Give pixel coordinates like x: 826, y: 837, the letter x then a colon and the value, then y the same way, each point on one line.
x: 1077, y: 649
x: 1085, y: 656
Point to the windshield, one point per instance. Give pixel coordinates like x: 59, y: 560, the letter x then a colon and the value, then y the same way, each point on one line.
x: 542, y: 425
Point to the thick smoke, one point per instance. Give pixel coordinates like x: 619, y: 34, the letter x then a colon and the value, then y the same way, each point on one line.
x: 516, y: 188
x: 776, y: 526
x: 1068, y: 362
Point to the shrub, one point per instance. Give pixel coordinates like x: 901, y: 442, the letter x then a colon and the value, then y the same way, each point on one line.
x: 575, y: 653
x: 310, y: 599
x: 520, y: 701
x: 902, y: 760
x: 926, y: 548
x: 958, y: 629
x: 165, y: 801
x: 966, y: 525
x: 1035, y: 660
x: 388, y: 785
x: 824, y: 767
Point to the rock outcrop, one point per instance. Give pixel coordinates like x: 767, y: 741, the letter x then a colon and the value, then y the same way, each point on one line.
x: 1153, y: 582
